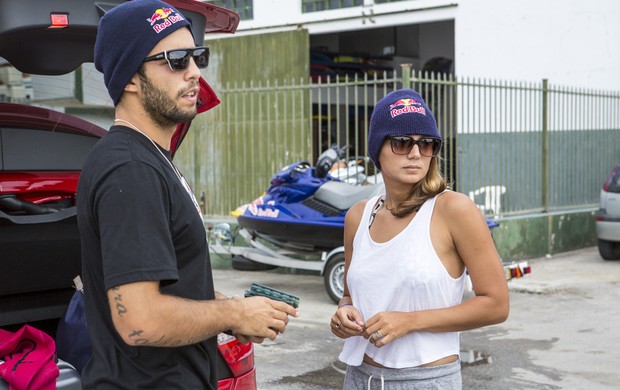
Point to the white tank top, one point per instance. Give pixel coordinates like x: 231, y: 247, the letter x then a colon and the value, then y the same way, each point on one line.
x: 403, y: 274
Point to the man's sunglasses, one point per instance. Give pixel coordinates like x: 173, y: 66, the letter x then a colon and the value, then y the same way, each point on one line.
x: 178, y: 59
x: 403, y: 144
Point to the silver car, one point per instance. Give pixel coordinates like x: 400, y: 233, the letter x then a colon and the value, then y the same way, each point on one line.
x: 608, y: 217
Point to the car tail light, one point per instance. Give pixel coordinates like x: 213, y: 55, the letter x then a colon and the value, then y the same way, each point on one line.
x: 239, y: 357
x: 59, y: 20
x: 612, y: 176
x: 517, y: 270
x: 245, y: 382
x: 225, y: 384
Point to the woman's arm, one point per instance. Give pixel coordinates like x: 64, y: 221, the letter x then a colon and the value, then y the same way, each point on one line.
x: 347, y: 321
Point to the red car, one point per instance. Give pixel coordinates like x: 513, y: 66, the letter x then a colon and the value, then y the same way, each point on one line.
x: 41, y: 155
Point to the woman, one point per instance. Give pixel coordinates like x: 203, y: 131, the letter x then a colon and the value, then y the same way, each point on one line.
x: 406, y: 253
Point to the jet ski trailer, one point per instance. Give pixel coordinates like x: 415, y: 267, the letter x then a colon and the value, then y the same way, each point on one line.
x: 328, y: 263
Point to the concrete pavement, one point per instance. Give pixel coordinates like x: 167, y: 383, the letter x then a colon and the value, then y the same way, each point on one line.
x: 562, y: 330
x: 561, y: 333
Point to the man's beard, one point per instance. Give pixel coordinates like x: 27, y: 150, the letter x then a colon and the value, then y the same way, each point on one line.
x: 161, y: 108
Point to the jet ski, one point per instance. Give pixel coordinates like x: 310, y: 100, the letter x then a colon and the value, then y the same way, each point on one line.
x: 304, y: 206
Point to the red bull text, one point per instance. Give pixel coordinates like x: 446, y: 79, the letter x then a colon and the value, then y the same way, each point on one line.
x: 166, y: 18
x: 406, y: 106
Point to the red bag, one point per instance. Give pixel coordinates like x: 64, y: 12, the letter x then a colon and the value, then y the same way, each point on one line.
x: 28, y: 356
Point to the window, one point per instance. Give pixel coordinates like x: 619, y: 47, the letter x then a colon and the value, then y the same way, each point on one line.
x: 38, y: 150
x: 245, y: 8
x: 322, y: 5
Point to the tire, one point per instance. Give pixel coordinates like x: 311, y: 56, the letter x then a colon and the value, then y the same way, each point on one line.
x: 334, y: 277
x: 609, y: 250
x: 241, y: 263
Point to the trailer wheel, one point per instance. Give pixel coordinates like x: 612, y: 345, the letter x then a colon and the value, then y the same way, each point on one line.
x: 334, y: 277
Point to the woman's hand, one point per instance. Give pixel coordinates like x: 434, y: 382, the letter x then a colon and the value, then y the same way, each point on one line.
x: 385, y: 327
x: 347, y: 322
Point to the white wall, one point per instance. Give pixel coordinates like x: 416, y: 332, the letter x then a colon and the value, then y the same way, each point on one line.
x: 569, y: 42
x: 63, y: 87
x: 95, y: 91
x: 53, y: 87
x: 277, y: 15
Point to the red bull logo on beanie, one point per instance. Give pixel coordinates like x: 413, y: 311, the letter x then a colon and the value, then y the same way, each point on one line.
x: 404, y: 106
x: 163, y: 18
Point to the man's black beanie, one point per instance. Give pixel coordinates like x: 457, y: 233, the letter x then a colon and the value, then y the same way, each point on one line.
x: 126, y: 35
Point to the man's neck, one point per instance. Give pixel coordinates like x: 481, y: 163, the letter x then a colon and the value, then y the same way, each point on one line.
x: 143, y: 124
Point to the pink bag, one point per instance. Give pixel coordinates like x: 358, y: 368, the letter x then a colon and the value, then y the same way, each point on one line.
x: 28, y: 356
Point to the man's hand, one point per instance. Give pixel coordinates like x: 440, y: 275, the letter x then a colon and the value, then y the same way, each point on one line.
x: 262, y: 317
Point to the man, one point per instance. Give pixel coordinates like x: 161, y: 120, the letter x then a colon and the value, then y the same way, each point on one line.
x: 151, y: 309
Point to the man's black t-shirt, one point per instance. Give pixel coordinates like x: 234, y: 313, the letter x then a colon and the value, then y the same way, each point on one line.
x: 138, y: 223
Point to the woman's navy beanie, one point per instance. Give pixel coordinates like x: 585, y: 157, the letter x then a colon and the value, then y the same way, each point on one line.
x: 401, y: 112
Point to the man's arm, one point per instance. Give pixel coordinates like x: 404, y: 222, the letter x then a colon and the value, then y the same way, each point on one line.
x: 143, y: 316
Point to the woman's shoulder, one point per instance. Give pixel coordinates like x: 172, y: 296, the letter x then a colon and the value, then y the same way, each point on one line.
x: 460, y: 214
x: 452, y: 202
x: 357, y: 210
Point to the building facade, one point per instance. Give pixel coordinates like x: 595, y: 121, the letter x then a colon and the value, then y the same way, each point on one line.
x: 569, y: 42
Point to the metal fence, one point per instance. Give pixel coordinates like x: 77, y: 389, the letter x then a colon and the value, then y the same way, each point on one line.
x: 535, y: 147
x: 513, y: 147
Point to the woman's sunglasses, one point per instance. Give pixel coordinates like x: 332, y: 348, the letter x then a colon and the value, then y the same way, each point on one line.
x: 178, y: 59
x: 403, y: 144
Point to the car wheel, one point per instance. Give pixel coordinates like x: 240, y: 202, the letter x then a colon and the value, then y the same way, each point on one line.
x: 609, y: 250
x: 241, y: 263
x: 334, y: 277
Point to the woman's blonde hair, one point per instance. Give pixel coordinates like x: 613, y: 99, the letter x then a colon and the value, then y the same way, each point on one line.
x: 431, y: 185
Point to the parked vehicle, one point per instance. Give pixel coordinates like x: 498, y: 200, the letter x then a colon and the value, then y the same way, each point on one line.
x: 304, y: 206
x: 326, y: 66
x: 608, y: 217
x: 41, y: 155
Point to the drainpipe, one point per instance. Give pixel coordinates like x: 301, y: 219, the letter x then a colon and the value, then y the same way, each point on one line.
x: 406, y: 72
x: 545, y: 164
x: 545, y: 145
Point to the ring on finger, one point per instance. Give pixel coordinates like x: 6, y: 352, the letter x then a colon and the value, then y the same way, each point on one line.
x: 378, y: 336
x: 338, y: 324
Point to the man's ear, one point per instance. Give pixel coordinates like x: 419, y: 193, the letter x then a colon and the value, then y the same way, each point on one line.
x: 134, y: 84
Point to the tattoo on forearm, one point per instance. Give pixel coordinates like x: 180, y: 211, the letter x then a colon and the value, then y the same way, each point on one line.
x: 121, y: 310
x: 136, y: 336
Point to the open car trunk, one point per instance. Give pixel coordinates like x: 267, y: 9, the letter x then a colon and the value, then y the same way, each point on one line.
x: 42, y: 151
